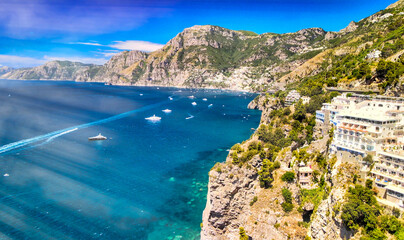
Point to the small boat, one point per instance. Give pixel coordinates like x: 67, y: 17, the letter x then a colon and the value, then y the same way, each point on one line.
x: 6, y: 175
x: 98, y: 137
x: 193, y: 103
x: 190, y: 116
x: 141, y: 94
x: 170, y: 98
x: 210, y: 105
x: 153, y: 118
x: 166, y: 110
x: 191, y: 97
x: 205, y: 99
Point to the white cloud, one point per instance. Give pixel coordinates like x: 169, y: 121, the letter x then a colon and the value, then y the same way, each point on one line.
x: 25, y: 19
x: 89, y: 43
x: 18, y: 61
x: 136, y: 45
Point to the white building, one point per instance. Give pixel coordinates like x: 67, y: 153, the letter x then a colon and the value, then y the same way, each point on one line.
x: 292, y: 97
x: 305, y: 99
x: 374, y: 126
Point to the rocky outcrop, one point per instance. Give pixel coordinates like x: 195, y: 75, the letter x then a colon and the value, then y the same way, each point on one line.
x: 112, y: 71
x: 201, y: 56
x: 229, y: 191
x: 327, y: 223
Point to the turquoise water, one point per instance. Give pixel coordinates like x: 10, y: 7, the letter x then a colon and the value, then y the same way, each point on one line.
x: 147, y: 181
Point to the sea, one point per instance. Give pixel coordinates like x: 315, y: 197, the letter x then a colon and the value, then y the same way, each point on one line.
x: 148, y: 180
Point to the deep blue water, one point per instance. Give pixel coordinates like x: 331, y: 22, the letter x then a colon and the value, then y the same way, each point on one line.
x: 147, y: 181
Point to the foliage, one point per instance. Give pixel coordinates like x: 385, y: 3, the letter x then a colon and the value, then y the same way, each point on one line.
x: 288, y: 177
x: 243, y: 235
x: 237, y: 148
x: 265, y: 174
x: 254, y: 200
x: 300, y: 111
x: 287, y: 204
x: 361, y: 209
x: 390, y: 72
x: 248, y: 155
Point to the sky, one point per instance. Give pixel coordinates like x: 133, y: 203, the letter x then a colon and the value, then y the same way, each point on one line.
x: 33, y: 32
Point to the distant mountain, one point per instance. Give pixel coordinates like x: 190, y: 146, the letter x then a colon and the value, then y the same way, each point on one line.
x: 55, y: 70
x: 215, y: 57
x: 5, y: 69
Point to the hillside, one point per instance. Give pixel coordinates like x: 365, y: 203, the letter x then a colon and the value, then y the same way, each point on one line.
x: 215, y: 57
x: 54, y: 70
x: 200, y: 56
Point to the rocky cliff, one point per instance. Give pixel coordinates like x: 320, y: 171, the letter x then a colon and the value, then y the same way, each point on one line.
x: 200, y: 56
x: 215, y: 57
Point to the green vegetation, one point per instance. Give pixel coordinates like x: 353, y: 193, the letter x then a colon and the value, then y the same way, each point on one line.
x: 243, y: 234
x: 254, y: 200
x: 361, y: 209
x: 265, y: 174
x: 287, y: 204
x: 288, y: 177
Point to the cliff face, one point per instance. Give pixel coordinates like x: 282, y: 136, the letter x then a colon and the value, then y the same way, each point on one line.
x: 200, y: 56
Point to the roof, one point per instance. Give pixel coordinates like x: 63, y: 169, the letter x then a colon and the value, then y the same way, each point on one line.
x: 305, y: 169
x: 395, y: 188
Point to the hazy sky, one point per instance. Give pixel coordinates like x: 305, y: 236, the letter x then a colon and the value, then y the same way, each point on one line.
x: 91, y: 31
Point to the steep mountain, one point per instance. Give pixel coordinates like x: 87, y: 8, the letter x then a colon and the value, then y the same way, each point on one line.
x: 366, y: 55
x: 55, y: 70
x: 211, y: 56
x: 200, y: 56
x: 215, y: 57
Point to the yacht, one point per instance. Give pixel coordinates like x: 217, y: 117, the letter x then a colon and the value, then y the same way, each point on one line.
x: 205, y: 99
x: 167, y: 110
x: 194, y: 103
x: 153, y: 118
x: 98, y: 137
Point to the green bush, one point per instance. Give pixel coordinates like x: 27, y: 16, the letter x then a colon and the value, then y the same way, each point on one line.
x: 288, y: 177
x: 361, y: 209
x: 254, y: 200
x: 243, y: 234
x: 287, y: 205
x: 265, y: 174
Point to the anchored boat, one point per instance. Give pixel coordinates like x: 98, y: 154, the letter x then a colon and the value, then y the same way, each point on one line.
x: 98, y: 137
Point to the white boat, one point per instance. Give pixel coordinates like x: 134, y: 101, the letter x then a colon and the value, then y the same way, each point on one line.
x: 6, y: 175
x: 98, y: 137
x: 190, y: 116
x: 193, y: 103
x: 166, y: 110
x: 141, y: 94
x: 191, y: 97
x: 170, y: 98
x: 153, y: 118
x: 210, y: 105
x: 205, y: 99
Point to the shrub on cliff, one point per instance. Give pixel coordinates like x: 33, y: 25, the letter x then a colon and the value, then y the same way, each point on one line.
x: 287, y: 204
x: 243, y: 234
x: 361, y: 209
x: 266, y: 173
x: 288, y: 177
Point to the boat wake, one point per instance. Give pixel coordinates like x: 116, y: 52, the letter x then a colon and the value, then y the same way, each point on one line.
x: 190, y: 116
x: 46, y: 138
